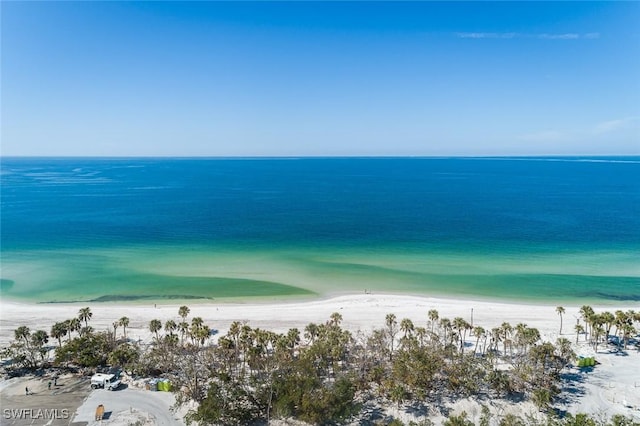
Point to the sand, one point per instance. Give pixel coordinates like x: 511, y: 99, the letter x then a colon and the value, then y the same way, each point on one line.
x: 613, y: 387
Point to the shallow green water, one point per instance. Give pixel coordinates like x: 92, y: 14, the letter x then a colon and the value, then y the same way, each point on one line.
x: 188, y: 272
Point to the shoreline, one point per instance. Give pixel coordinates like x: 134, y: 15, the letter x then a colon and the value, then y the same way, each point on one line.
x: 179, y: 300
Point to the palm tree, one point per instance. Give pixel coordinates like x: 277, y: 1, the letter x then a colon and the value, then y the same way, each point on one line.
x: 579, y: 329
x: 478, y: 332
x: 587, y: 314
x: 234, y: 336
x: 124, y: 322
x: 154, y: 326
x: 171, y: 340
x: 201, y: 334
x: 85, y: 331
x: 22, y: 332
x: 564, y: 348
x: 521, y: 335
x: 406, y: 326
x: 293, y: 338
x: 526, y: 336
x: 335, y: 318
x: 433, y: 317
x: 183, y: 311
x: 184, y: 328
x: 40, y: 338
x: 628, y: 330
x: 73, y: 325
x: 311, y: 332
x: 621, y: 320
x: 608, y: 319
x: 445, y: 323
x: 560, y: 311
x: 392, y: 330
x: 58, y: 330
x: 245, y: 342
x: 421, y: 333
x: 496, y: 337
x: 597, y: 330
x: 507, y: 331
x: 85, y: 315
x: 115, y: 325
x: 461, y: 325
x: 170, y: 326
x: 197, y: 324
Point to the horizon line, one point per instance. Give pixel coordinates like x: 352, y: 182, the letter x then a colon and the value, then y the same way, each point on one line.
x: 205, y: 157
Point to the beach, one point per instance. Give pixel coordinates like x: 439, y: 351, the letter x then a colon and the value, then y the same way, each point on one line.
x: 613, y: 387
x: 360, y: 312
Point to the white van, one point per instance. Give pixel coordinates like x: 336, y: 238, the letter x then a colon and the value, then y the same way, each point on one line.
x: 107, y: 381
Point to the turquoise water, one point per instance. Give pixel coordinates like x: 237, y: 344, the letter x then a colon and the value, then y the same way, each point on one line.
x: 550, y: 230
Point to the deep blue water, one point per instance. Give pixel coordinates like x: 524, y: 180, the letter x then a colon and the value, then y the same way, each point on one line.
x: 471, y: 202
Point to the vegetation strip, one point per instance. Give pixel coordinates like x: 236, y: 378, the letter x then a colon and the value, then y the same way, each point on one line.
x: 326, y: 374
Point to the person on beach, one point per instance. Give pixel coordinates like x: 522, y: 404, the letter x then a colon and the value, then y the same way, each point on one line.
x: 26, y: 390
x: 49, y: 384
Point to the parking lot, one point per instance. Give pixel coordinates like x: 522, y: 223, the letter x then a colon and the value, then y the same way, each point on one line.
x: 42, y: 406
x: 73, y: 402
x: 126, y: 406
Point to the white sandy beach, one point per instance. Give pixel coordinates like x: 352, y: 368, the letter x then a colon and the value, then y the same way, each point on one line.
x: 613, y: 387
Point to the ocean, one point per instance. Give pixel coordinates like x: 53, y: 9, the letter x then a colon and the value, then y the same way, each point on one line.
x: 562, y: 230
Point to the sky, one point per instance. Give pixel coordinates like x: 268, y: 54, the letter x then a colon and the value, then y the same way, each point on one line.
x: 320, y: 78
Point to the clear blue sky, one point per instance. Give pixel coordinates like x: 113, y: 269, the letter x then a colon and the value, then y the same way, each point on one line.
x: 300, y: 78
